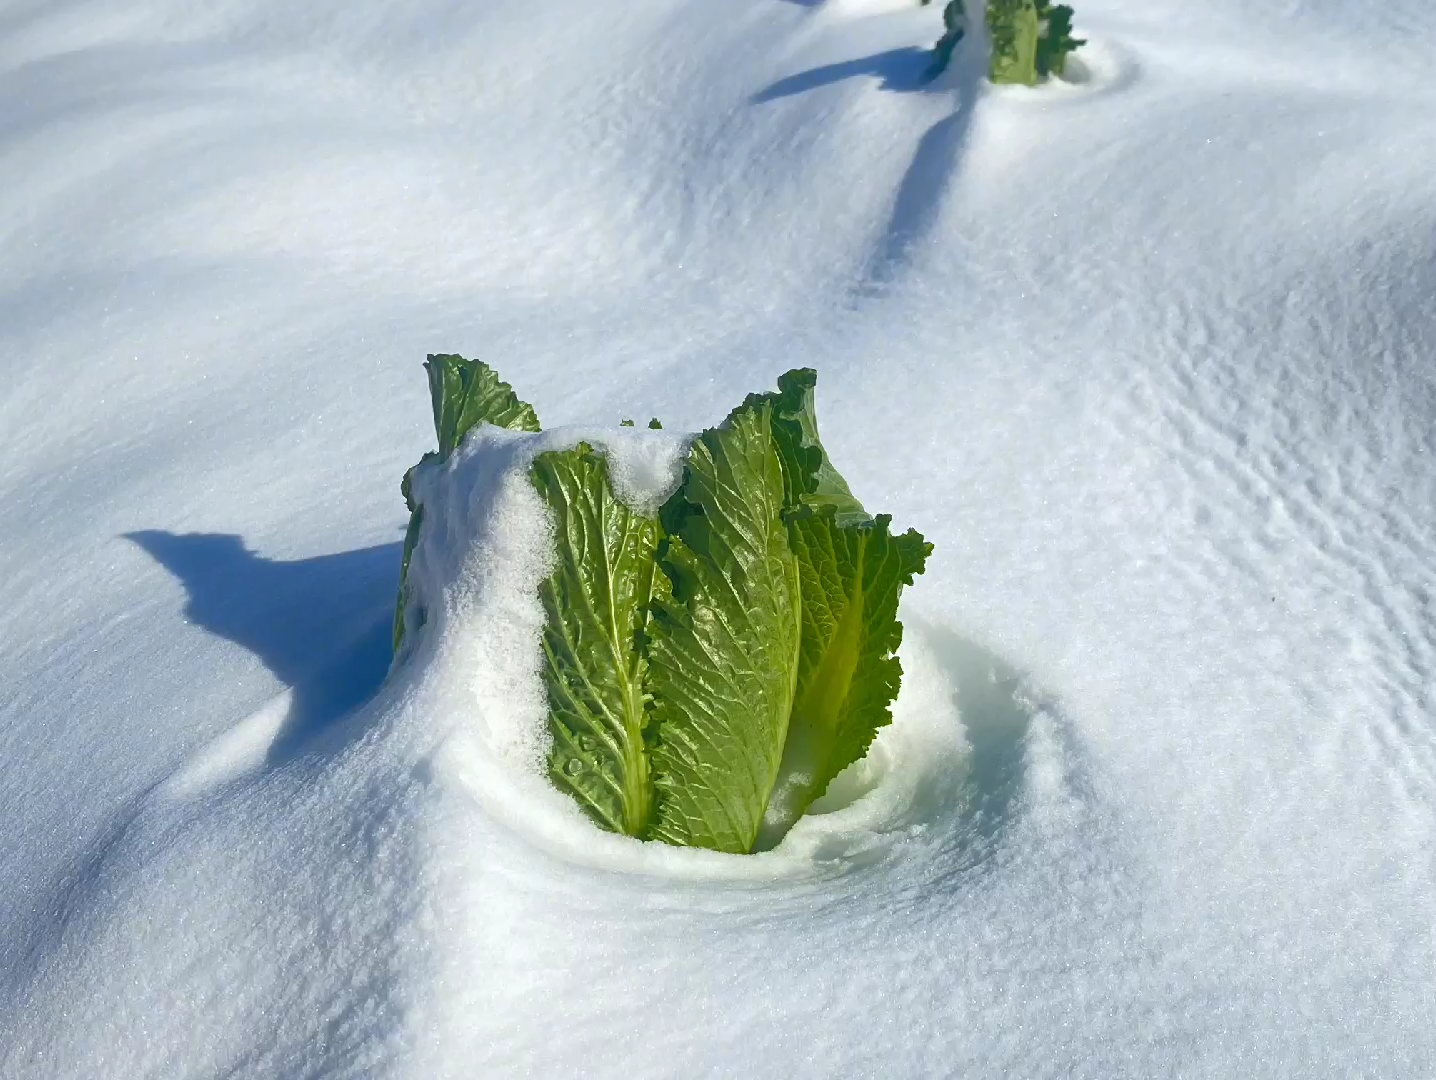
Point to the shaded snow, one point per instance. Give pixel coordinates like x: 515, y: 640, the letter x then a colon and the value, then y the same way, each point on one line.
x: 1149, y: 357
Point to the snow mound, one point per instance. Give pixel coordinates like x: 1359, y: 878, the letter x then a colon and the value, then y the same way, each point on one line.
x: 322, y: 900
x: 1148, y: 357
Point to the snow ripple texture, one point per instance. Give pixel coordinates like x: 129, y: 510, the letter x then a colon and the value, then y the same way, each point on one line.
x: 1149, y: 356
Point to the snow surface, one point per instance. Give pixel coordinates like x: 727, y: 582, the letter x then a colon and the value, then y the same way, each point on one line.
x: 1149, y: 357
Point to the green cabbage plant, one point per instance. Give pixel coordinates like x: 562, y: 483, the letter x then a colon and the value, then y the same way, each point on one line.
x: 711, y: 667
x: 1054, y: 39
x: 1030, y: 39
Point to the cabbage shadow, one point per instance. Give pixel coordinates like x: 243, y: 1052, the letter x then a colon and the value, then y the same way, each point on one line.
x: 996, y: 716
x: 897, y: 70
x: 323, y: 625
x: 936, y: 160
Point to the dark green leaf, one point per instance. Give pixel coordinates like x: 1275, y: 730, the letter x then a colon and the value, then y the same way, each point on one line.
x: 467, y: 393
x: 1055, y: 42
x: 809, y: 478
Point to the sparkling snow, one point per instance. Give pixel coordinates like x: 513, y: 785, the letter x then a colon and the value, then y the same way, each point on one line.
x: 1151, y: 357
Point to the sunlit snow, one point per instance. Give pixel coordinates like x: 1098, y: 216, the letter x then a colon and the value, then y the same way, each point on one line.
x: 1150, y: 356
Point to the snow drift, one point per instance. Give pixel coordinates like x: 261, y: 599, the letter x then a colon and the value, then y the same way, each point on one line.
x: 1148, y: 357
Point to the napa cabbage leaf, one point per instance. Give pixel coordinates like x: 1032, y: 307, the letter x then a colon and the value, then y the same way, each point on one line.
x: 596, y: 608
x: 851, y: 571
x: 464, y: 394
x: 1012, y: 26
x: 1030, y: 40
x: 723, y: 652
x: 467, y: 393
x: 848, y: 676
x: 1056, y: 42
x: 809, y: 478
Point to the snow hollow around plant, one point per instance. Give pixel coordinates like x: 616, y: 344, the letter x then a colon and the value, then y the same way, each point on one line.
x: 1150, y: 356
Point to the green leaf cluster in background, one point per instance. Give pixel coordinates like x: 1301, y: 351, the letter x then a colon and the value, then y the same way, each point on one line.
x: 954, y: 24
x: 1055, y: 42
x: 1012, y: 28
x: 1030, y: 40
x: 711, y: 667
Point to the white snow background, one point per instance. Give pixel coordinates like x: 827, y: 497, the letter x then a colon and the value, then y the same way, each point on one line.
x: 1150, y: 357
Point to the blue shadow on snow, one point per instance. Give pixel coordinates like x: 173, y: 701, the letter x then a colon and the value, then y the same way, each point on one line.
x: 996, y: 719
x: 899, y: 70
x: 323, y: 626
x: 935, y: 158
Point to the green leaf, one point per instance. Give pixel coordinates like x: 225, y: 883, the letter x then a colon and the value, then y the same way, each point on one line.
x: 1012, y: 26
x: 596, y: 606
x: 852, y: 577
x: 723, y: 652
x: 1055, y: 42
x: 809, y: 478
x: 465, y: 394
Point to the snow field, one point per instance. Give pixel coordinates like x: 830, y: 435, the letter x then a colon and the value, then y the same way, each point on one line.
x: 1147, y: 357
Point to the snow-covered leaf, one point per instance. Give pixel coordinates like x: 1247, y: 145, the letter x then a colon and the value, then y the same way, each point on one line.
x: 465, y: 394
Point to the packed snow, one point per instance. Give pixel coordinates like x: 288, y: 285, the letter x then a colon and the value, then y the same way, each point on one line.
x: 1150, y: 355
